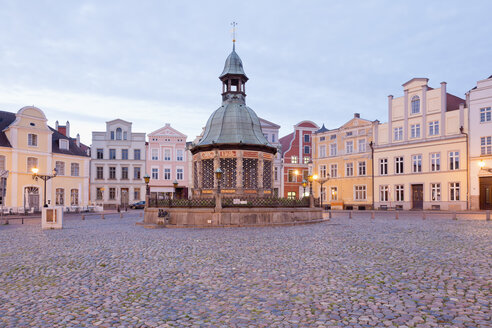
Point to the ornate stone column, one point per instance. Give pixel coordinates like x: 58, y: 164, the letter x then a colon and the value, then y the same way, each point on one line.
x: 216, y: 167
x: 260, y: 175
x: 239, y: 173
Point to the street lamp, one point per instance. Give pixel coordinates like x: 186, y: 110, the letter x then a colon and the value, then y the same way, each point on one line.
x: 218, y: 175
x: 321, y: 182
x: 175, y: 184
x: 146, y: 178
x: 311, y: 179
x: 481, y: 164
x: 36, y: 176
x: 304, y: 185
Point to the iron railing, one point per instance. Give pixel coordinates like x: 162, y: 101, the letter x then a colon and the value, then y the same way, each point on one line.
x: 265, y: 202
x: 194, y: 202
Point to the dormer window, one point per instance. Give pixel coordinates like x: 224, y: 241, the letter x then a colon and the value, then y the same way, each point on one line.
x: 118, y: 134
x: 63, y: 144
x: 415, y: 105
x: 32, y: 139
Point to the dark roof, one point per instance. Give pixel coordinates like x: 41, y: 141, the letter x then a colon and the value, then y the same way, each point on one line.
x: 233, y: 65
x: 73, y: 149
x: 490, y: 77
x: 285, y: 142
x: 6, y: 118
x: 323, y: 129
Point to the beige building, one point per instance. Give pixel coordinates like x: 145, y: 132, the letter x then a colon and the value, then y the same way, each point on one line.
x: 27, y: 142
x: 342, y: 158
x: 420, y: 156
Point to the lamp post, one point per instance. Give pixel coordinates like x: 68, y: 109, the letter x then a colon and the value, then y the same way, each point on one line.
x: 44, y: 177
x: 218, y: 175
x: 147, y: 188
x: 304, y: 185
x: 321, y: 182
x: 175, y: 185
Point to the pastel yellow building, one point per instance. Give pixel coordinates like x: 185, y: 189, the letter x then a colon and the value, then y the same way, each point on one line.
x: 342, y: 159
x: 27, y: 142
x: 420, y: 156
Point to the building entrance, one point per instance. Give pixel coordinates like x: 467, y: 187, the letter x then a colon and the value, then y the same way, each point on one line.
x: 417, y: 196
x: 486, y: 193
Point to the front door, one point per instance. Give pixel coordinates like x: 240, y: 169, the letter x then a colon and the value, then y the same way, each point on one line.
x: 124, y: 197
x: 486, y: 193
x: 31, y: 199
x: 417, y: 196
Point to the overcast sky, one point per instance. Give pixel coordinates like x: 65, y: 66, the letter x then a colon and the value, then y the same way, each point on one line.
x: 153, y: 62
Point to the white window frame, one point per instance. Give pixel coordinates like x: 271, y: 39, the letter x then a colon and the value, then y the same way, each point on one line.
x: 435, y: 192
x: 486, y: 145
x: 322, y: 151
x: 154, y: 173
x: 333, y: 149
x: 349, y: 168
x: 334, y: 193
x: 454, y: 160
x: 63, y: 144
x: 399, y: 193
x: 32, y: 140
x: 417, y: 159
x: 383, y: 166
x: 362, y: 168
x: 178, y: 173
x: 333, y: 170
x: 434, y: 128
x: 454, y: 191
x: 360, y: 192
x: 398, y: 133
x: 415, y: 131
x: 485, y: 115
x: 167, y: 173
x: 361, y: 145
x: 435, y: 162
x: 399, y: 165
x: 349, y: 147
x: 384, y: 193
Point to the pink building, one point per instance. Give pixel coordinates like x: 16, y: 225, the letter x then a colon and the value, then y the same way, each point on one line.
x: 167, y: 163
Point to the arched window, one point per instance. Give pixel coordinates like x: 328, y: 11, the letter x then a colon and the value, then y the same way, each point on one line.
x: 118, y: 134
x: 415, y: 104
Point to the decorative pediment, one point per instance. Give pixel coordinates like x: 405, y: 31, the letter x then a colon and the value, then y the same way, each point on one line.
x: 167, y: 131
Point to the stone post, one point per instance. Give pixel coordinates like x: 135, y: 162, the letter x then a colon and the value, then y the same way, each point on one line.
x: 239, y: 172
x: 216, y: 166
x: 260, y: 176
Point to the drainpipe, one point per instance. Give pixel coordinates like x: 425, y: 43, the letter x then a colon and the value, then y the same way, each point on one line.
x: 467, y: 169
x: 371, y: 144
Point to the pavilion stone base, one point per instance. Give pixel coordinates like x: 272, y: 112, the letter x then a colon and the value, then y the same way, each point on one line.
x: 232, y: 217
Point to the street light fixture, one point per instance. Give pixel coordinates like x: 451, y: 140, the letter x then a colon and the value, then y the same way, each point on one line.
x: 44, y: 177
x: 175, y: 185
x: 304, y: 185
x: 218, y: 175
x: 146, y: 178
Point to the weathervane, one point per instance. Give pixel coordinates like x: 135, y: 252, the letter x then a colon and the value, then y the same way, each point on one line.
x: 234, y: 24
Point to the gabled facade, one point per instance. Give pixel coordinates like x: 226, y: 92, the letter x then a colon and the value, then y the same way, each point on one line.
x: 420, y: 156
x: 27, y: 142
x: 297, y: 153
x: 480, y: 140
x: 117, y: 165
x: 167, y: 162
x: 271, y: 132
x: 343, y: 160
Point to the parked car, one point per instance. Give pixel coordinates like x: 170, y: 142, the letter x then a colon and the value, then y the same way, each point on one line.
x: 138, y: 205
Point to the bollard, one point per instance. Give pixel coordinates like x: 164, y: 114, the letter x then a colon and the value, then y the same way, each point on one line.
x: 373, y: 215
x: 22, y: 220
x: 83, y: 216
x: 397, y: 215
x: 329, y: 214
x: 454, y: 216
x: 423, y: 216
x: 121, y: 215
x: 487, y: 216
x: 102, y: 216
x: 350, y: 214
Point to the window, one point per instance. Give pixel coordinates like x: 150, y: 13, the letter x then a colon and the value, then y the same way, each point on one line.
x: 306, y: 138
x: 74, y: 197
x: 322, y: 151
x: 333, y: 137
x: 333, y: 149
x: 167, y: 174
x: 275, y: 173
x: 434, y: 128
x: 124, y: 154
x: 125, y: 136
x: 435, y: 192
x: 99, y: 193
x: 32, y: 139
x: 305, y: 175
x: 112, y: 135
x: 383, y: 166
x: 307, y: 159
x: 348, y: 134
x: 179, y: 155
x: 486, y: 145
x: 360, y: 193
x: 398, y: 133
x: 60, y: 168
x: 485, y: 114
x: 136, y: 173
x: 273, y: 137
x: 31, y: 163
x: 399, y: 165
x: 63, y: 144
x: 334, y: 170
x: 322, y: 171
x: 266, y: 135
x: 416, y: 163
x: 362, y: 145
x: 112, y: 172
x: 362, y: 168
x: 415, y: 131
x: 322, y: 138
x: 118, y: 134
x: 99, y: 173
x: 323, y: 193
x: 334, y: 193
x: 100, y: 153
x: 435, y: 162
x: 454, y: 191
x: 112, y: 193
x: 349, y: 169
x: 454, y: 160
x: 293, y: 159
x: 399, y: 193
x: 136, y: 154
x: 60, y: 196
x: 383, y: 193
x: 124, y: 173
x: 74, y: 169
x: 136, y: 193
x: 155, y: 173
x: 307, y: 150
x: 155, y: 154
x: 167, y: 154
x: 291, y: 195
x: 349, y: 147
x: 179, y: 173
x: 415, y: 105
x: 2, y: 162
x: 112, y: 154
x: 292, y: 176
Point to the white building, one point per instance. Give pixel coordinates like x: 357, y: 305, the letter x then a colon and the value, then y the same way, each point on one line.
x: 480, y: 144
x: 270, y: 130
x: 117, y: 165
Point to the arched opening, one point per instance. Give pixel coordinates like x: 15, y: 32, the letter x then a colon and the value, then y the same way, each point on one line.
x: 31, y: 198
x: 118, y: 134
x: 415, y: 104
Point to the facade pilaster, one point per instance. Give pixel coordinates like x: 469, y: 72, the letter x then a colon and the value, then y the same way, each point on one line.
x: 444, y: 106
x: 390, y: 118
x: 424, y: 112
x: 405, y: 116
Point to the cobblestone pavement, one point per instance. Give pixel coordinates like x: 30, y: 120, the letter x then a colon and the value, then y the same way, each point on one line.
x: 343, y: 273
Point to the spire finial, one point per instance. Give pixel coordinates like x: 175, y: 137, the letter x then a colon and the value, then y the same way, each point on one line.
x: 233, y: 24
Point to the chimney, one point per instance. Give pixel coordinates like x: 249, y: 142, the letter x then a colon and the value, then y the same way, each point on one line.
x: 168, y: 124
x: 56, y: 125
x: 68, y: 129
x: 78, y: 140
x: 356, y: 115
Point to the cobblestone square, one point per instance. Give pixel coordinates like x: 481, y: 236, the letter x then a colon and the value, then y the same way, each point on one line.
x: 343, y: 273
